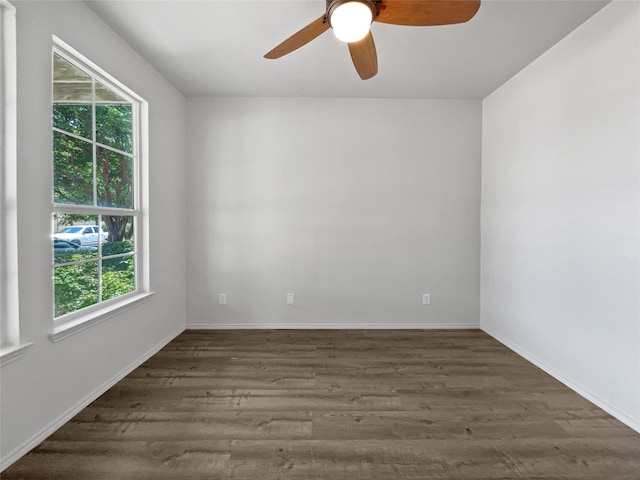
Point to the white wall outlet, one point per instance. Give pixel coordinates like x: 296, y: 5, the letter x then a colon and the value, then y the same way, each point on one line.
x: 426, y: 299
x: 290, y: 299
x: 222, y: 299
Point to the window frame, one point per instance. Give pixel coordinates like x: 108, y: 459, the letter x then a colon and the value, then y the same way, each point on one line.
x: 11, y: 348
x: 78, y: 320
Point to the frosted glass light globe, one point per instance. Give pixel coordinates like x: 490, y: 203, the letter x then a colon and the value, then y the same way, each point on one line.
x: 351, y: 21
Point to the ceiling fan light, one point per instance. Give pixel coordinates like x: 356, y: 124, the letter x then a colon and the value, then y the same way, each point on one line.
x: 350, y: 21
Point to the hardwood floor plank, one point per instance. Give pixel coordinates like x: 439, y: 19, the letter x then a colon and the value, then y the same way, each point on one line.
x: 338, y: 405
x: 129, y: 460
x: 427, y: 425
x: 107, y: 424
x: 291, y: 400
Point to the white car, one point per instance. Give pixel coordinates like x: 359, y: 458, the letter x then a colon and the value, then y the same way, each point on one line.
x: 81, y: 235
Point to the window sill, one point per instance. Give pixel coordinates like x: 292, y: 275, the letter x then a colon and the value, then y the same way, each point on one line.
x: 71, y: 327
x: 12, y: 353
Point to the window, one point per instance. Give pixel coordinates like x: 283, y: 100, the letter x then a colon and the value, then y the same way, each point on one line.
x: 97, y: 223
x: 10, y: 347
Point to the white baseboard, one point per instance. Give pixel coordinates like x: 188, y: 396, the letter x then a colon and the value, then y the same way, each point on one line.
x: 328, y: 326
x: 580, y: 390
x: 38, y: 438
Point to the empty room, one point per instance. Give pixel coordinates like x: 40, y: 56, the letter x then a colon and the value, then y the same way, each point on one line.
x: 320, y: 239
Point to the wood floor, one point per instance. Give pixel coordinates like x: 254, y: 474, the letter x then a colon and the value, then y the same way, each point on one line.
x: 319, y: 404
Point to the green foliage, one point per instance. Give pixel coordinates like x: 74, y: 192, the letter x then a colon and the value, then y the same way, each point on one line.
x: 76, y: 165
x: 115, y: 179
x: 75, y: 287
x: 119, y: 278
x: 74, y: 162
x: 115, y: 171
x: 116, y: 248
x: 72, y: 170
x: 75, y: 219
x: 114, y: 127
x: 73, y: 118
x: 64, y: 257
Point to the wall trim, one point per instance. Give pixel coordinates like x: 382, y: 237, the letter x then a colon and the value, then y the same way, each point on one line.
x: 38, y: 438
x: 67, y: 328
x: 580, y: 390
x: 12, y: 353
x: 329, y: 326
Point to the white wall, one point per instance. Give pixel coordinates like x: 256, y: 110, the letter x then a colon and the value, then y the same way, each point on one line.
x: 560, y: 211
x: 357, y: 206
x: 51, y: 380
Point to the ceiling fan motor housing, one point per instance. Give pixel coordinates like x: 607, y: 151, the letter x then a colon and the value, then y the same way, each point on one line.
x: 333, y: 4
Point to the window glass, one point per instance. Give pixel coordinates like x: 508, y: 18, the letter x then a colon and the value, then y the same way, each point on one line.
x: 76, y: 287
x: 118, y: 276
x: 76, y: 119
x: 72, y: 170
x: 113, y: 120
x: 94, y: 187
x: 115, y: 179
x: 71, y: 85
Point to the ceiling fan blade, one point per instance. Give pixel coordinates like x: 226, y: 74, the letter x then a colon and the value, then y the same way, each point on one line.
x: 365, y: 59
x: 300, y: 38
x: 426, y: 12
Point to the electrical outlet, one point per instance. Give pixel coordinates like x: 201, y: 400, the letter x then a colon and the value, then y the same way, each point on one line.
x: 426, y: 299
x: 222, y: 299
x: 290, y: 299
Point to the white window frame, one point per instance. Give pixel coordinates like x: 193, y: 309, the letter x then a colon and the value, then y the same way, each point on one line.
x: 10, y: 347
x: 74, y: 322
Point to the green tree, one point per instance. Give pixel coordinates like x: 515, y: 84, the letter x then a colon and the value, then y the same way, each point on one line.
x: 73, y: 161
x: 75, y: 287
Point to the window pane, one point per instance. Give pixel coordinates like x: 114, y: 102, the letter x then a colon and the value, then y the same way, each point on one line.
x: 120, y: 234
x: 105, y: 95
x: 118, y: 276
x: 70, y: 84
x: 75, y: 287
x: 64, y: 252
x: 73, y: 118
x: 113, y: 119
x: 73, y: 237
x: 72, y: 170
x: 94, y: 255
x: 114, y: 178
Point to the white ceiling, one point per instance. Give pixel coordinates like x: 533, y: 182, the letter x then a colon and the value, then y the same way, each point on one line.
x: 215, y: 47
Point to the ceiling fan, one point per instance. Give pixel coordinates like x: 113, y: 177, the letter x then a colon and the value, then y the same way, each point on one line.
x: 351, y: 20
